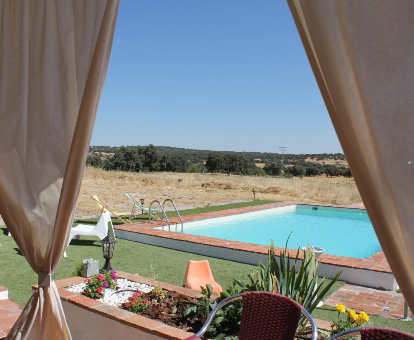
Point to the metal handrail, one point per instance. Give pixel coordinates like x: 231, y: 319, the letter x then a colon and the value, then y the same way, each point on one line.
x: 163, y: 212
x: 176, y: 210
x: 236, y: 297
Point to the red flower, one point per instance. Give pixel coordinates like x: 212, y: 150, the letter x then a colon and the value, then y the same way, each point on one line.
x: 89, y: 280
x: 99, y: 290
x: 98, y: 296
x: 100, y: 277
x: 86, y: 291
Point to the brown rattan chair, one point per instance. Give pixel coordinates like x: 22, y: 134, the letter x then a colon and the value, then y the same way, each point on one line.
x: 264, y: 316
x: 374, y: 333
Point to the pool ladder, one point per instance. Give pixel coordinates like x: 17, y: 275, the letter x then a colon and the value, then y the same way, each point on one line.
x: 164, y: 215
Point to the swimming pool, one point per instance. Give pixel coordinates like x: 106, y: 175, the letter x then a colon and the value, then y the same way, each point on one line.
x: 340, y: 231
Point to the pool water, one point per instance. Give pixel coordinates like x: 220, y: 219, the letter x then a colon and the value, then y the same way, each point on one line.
x: 340, y: 231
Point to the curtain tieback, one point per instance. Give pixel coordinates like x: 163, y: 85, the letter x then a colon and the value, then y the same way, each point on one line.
x: 44, y: 280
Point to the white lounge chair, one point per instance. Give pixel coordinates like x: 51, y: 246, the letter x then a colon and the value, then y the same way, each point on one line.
x: 100, y: 230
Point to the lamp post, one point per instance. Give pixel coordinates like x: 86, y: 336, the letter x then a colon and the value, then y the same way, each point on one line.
x: 108, y: 246
x: 254, y: 194
x: 142, y: 204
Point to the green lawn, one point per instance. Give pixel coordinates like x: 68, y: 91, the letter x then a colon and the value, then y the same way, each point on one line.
x: 167, y: 265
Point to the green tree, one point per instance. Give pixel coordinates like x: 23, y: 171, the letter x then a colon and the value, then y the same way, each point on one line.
x: 215, y: 162
x: 94, y: 160
x: 125, y: 159
x: 347, y: 173
x: 313, y: 171
x: 236, y: 164
x: 150, y: 158
x: 332, y: 171
x: 173, y: 164
x: 296, y: 170
x: 273, y: 169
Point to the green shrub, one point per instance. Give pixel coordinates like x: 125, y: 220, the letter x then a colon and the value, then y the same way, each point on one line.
x: 275, y: 276
x: 78, y: 269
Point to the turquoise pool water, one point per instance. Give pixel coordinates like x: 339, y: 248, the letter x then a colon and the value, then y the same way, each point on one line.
x: 342, y: 232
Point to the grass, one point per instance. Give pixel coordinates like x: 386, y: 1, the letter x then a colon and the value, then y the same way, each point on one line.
x: 132, y: 257
x: 168, y: 265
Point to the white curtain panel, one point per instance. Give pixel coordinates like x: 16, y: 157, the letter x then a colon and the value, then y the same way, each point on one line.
x: 362, y: 56
x: 53, y: 61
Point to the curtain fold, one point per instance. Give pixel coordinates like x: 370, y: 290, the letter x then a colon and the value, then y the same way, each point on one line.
x: 362, y: 56
x: 53, y: 61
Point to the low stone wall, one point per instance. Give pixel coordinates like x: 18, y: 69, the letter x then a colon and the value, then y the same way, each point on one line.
x: 92, y: 319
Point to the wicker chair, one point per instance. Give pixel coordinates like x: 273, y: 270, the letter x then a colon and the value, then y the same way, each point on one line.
x: 374, y: 333
x: 264, y: 316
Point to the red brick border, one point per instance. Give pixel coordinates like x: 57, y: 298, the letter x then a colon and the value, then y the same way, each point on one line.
x: 141, y: 322
x: 377, y: 262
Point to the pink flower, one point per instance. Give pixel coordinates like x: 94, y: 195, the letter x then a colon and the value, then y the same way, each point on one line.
x: 98, y: 296
x: 106, y: 284
x: 101, y: 277
x: 99, y: 290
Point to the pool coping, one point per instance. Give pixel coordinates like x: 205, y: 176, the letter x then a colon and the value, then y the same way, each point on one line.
x: 376, y: 262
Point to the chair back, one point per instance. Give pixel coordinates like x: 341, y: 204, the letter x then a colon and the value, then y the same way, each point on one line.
x: 200, y: 269
x: 102, y: 224
x: 376, y: 333
x: 198, y: 275
x: 131, y: 200
x: 269, y: 316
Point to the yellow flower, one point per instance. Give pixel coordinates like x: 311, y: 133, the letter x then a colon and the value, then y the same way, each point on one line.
x: 352, y: 315
x: 358, y: 320
x: 364, y: 317
x: 340, y: 308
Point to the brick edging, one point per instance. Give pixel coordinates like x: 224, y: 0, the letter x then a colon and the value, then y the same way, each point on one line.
x: 144, y: 323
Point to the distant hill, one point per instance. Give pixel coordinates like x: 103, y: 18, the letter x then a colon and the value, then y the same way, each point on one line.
x: 194, y: 156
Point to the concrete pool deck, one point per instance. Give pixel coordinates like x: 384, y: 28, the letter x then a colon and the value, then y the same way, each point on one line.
x: 372, y: 272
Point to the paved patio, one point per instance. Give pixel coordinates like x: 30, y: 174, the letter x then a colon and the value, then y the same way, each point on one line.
x: 9, y: 313
x: 388, y: 304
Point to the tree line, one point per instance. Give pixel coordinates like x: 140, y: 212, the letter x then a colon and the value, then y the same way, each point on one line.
x: 194, y: 156
x: 149, y: 159
x: 137, y: 159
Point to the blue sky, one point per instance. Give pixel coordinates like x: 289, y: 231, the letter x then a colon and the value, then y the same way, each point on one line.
x: 211, y: 74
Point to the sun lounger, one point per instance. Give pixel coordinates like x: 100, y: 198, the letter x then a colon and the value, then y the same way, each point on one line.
x: 107, y: 207
x: 139, y: 207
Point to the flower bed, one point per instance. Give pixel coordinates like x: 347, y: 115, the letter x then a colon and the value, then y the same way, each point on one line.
x: 153, y: 302
x: 89, y: 319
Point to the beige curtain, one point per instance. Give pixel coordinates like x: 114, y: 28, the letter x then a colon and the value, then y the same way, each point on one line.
x: 53, y: 61
x: 362, y: 55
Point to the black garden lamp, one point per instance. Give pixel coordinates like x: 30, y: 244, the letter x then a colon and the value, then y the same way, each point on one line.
x: 108, y: 246
x: 142, y: 204
x: 254, y: 194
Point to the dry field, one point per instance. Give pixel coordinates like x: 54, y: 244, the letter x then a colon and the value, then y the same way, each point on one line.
x: 199, y: 190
